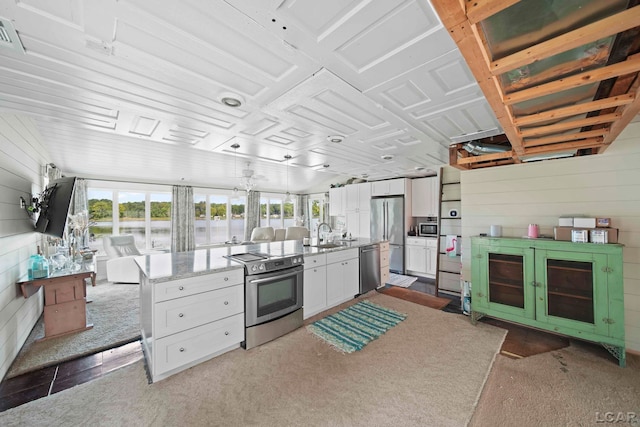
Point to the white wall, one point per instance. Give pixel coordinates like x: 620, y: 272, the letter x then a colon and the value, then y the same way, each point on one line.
x: 21, y: 159
x: 604, y: 185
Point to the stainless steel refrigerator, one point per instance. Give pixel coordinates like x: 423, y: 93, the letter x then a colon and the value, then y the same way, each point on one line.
x: 387, y: 223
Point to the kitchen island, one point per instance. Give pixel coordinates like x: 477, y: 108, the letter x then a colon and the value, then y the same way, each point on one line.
x: 192, y: 304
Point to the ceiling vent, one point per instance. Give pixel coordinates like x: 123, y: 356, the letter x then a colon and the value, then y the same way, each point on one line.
x: 9, y: 37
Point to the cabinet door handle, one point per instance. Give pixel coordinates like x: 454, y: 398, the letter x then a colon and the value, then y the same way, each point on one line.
x: 226, y: 303
x: 226, y: 279
x: 181, y: 288
x: 181, y: 349
x: 226, y: 332
x: 180, y: 315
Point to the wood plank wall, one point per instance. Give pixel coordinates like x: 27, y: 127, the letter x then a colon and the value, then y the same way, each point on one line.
x: 605, y: 185
x: 21, y: 159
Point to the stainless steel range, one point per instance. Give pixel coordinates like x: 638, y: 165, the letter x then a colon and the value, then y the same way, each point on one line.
x: 273, y: 295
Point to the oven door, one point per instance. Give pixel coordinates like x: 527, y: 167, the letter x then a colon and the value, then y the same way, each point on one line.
x: 272, y: 295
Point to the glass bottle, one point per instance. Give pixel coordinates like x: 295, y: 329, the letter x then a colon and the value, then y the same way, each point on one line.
x: 38, y: 266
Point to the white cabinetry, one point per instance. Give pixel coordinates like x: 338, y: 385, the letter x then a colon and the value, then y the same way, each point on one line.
x: 422, y: 255
x: 358, y: 209
x: 424, y: 197
x: 330, y: 279
x: 390, y: 187
x: 314, y: 293
x: 187, y: 321
x: 384, y: 263
x: 337, y: 203
x: 343, y: 276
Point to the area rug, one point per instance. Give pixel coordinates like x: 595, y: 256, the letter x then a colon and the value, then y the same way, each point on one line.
x: 400, y: 280
x: 354, y: 327
x: 114, y: 311
x: 426, y: 371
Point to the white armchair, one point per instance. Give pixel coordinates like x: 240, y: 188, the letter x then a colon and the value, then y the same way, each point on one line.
x: 121, y: 265
x: 297, y: 233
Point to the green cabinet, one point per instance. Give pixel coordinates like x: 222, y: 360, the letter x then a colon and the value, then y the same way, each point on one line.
x: 574, y: 289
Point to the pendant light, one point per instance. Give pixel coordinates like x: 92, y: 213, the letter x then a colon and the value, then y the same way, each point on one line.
x: 287, y: 199
x: 235, y: 170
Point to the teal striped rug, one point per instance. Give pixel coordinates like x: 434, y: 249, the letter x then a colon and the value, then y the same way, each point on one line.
x: 354, y: 327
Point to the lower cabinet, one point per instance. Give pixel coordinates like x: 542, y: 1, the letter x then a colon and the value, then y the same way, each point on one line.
x: 314, y: 294
x: 189, y: 320
x: 343, y: 276
x: 422, y: 255
x: 330, y: 279
x: 575, y: 289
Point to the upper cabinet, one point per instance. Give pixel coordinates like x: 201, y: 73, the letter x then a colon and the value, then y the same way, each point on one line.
x: 425, y: 197
x: 390, y: 187
x: 358, y: 197
x: 337, y: 201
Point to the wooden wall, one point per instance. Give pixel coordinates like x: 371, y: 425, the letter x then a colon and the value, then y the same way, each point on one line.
x: 21, y: 160
x: 605, y: 185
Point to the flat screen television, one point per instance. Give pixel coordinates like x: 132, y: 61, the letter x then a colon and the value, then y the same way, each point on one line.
x: 54, y: 206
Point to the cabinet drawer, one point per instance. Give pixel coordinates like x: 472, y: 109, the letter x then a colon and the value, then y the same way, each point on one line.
x: 384, y: 276
x: 311, y: 261
x: 184, y: 313
x: 416, y: 241
x: 194, y: 285
x: 384, y: 246
x: 384, y: 259
x: 180, y: 349
x: 333, y: 257
x: 431, y: 243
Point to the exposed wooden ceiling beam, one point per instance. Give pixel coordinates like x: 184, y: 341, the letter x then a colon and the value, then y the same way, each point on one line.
x: 574, y: 145
x: 628, y: 113
x: 477, y: 10
x: 611, y: 25
x: 573, y: 124
x: 486, y: 157
x: 631, y: 65
x: 574, y: 110
x: 528, y: 143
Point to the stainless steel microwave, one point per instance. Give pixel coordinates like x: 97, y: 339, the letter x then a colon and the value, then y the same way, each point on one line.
x: 428, y: 229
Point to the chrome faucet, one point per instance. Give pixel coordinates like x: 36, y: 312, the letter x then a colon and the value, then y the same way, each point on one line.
x: 319, y: 226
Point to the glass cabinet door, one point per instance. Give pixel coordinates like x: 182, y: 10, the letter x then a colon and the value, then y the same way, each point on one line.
x: 509, y: 275
x: 566, y: 283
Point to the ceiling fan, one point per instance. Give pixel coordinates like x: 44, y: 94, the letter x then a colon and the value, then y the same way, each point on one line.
x: 248, y: 180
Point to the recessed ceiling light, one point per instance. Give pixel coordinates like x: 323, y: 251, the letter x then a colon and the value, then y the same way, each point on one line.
x: 231, y: 100
x: 335, y: 138
x: 364, y: 175
x: 420, y: 168
x: 386, y: 156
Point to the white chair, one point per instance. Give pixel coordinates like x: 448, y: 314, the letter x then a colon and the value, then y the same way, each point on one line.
x: 121, y: 265
x: 262, y: 234
x: 297, y: 233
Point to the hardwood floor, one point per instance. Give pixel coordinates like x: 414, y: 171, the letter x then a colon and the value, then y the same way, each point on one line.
x: 44, y: 382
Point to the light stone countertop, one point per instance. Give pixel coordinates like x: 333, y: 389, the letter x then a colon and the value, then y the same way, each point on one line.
x: 171, y: 266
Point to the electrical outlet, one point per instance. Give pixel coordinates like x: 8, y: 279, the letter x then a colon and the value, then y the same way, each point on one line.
x: 23, y: 204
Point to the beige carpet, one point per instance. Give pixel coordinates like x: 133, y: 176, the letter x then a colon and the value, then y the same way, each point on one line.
x: 574, y: 386
x: 428, y: 370
x: 114, y: 312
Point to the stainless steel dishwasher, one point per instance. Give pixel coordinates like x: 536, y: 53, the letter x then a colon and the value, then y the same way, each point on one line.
x: 369, y: 267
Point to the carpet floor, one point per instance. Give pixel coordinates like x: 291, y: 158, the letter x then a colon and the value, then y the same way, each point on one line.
x: 427, y: 370
x: 114, y: 312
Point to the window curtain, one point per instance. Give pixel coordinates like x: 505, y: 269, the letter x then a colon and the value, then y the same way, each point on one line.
x: 182, y: 219
x: 325, y: 209
x: 52, y: 172
x: 302, y: 210
x: 252, y: 218
x: 78, y: 221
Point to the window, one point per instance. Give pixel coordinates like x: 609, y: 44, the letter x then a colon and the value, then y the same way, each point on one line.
x: 213, y: 225
x: 316, y: 210
x: 144, y: 211
x: 274, y: 212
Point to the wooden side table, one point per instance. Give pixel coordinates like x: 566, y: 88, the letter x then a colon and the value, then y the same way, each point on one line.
x: 64, y: 301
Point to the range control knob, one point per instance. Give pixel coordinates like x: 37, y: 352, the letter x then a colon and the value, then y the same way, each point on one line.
x: 261, y: 267
x: 254, y: 268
